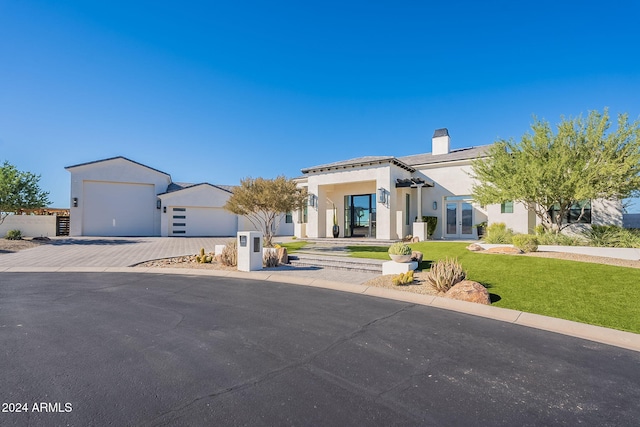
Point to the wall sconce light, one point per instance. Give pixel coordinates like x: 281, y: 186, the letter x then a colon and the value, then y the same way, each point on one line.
x: 164, y: 209
x: 382, y: 196
x: 158, y: 203
x: 312, y: 201
x: 75, y: 202
x: 435, y: 206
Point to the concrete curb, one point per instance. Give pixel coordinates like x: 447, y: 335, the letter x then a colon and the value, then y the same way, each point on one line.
x: 613, y: 337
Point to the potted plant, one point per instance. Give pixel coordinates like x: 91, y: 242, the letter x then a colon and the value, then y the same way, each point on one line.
x: 336, y: 228
x: 481, y: 229
x: 399, y: 252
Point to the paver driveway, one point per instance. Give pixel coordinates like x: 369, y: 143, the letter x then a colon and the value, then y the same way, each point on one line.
x: 108, y: 251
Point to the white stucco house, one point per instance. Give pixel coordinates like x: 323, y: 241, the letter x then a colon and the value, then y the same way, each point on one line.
x: 382, y: 197
x: 121, y: 197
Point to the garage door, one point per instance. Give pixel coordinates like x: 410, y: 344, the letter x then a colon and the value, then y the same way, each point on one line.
x: 118, y: 209
x: 190, y: 221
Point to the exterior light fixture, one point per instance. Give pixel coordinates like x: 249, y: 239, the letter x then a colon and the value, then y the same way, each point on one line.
x: 158, y: 204
x: 75, y: 202
x: 435, y: 206
x: 382, y: 196
x: 312, y: 201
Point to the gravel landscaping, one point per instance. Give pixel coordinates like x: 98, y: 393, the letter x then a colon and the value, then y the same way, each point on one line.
x: 9, y: 246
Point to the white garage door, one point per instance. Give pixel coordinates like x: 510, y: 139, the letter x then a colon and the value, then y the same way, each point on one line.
x: 190, y: 221
x: 118, y: 209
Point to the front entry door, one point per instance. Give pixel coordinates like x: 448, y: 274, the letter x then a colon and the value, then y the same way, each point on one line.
x: 360, y: 216
x: 459, y: 220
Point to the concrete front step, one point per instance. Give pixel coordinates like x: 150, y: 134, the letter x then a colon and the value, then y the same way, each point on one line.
x: 336, y: 263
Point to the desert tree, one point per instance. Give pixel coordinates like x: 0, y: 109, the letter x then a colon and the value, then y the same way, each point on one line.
x: 19, y: 190
x: 262, y: 200
x: 554, y: 171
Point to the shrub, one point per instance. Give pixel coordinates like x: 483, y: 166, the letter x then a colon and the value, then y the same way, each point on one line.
x: 270, y: 259
x: 526, y: 242
x: 629, y: 238
x: 498, y: 233
x: 559, y: 239
x: 444, y: 274
x: 399, y: 248
x: 403, y: 278
x: 13, y: 235
x: 612, y: 236
x: 229, y: 254
x: 432, y: 222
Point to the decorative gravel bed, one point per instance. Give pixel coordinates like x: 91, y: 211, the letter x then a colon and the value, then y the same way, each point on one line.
x: 187, y: 261
x: 418, y: 286
x: 9, y: 246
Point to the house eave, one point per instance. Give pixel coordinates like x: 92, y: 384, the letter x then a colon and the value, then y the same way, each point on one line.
x: 392, y: 161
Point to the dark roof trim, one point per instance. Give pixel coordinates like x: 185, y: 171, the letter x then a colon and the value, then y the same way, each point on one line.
x: 196, y: 185
x: 413, y: 183
x: 116, y: 158
x: 358, y: 163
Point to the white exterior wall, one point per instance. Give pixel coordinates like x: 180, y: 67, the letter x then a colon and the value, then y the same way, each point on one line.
x: 114, y: 171
x: 30, y: 225
x: 199, y: 196
x: 603, y: 212
x: 606, y: 212
x: 284, y: 229
x: 521, y: 220
x: 450, y: 179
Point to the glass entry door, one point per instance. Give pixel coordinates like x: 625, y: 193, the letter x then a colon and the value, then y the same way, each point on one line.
x: 360, y: 215
x: 459, y: 220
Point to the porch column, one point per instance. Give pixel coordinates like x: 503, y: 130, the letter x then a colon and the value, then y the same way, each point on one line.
x: 420, y: 227
x: 419, y: 190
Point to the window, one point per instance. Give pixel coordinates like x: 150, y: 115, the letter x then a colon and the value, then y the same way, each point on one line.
x: 288, y: 218
x: 506, y: 207
x: 574, y: 213
x: 407, y: 206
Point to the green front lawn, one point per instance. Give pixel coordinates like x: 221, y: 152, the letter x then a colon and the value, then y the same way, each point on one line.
x: 294, y: 245
x: 597, y: 294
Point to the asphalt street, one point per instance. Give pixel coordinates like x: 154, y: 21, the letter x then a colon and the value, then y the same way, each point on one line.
x: 150, y: 349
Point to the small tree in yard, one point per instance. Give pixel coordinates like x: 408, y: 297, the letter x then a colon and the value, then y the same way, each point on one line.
x: 546, y: 171
x: 19, y: 190
x: 262, y: 200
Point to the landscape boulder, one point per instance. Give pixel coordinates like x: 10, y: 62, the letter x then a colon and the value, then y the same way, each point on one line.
x: 474, y: 247
x: 283, y: 256
x: 417, y: 257
x: 507, y: 250
x: 469, y: 291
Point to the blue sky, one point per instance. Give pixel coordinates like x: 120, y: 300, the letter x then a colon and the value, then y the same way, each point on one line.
x: 216, y: 91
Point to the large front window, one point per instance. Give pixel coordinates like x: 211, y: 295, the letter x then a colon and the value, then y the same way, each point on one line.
x: 573, y: 215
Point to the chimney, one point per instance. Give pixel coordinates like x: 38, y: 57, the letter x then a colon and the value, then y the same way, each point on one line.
x: 440, y: 142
